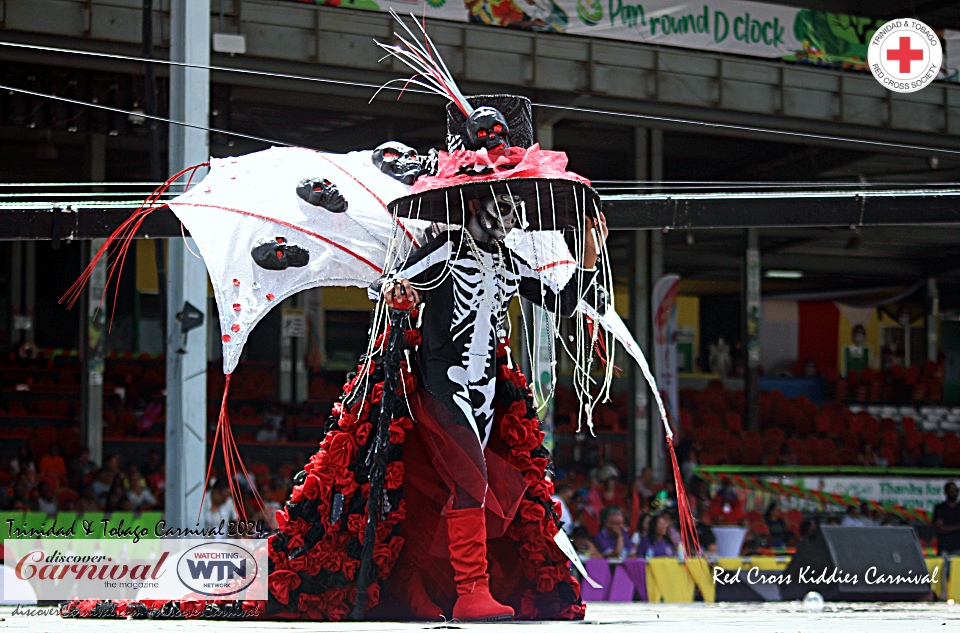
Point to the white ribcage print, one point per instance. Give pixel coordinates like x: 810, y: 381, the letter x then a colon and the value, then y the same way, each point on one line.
x: 480, y: 298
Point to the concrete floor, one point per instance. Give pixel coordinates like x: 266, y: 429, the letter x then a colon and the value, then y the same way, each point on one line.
x: 782, y: 617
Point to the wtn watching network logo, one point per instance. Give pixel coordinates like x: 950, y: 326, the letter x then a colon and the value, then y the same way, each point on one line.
x: 217, y: 569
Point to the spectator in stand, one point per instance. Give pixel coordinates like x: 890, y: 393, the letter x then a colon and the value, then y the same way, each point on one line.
x: 23, y: 463
x: 591, y: 495
x: 24, y: 491
x: 643, y: 526
x: 726, y: 508
x: 946, y: 520
x: 806, y: 527
x: 218, y: 507
x: 45, y: 501
x: 928, y: 459
x: 584, y: 544
x: 645, y: 486
x: 612, y: 540
x: 101, y: 485
x: 657, y: 541
x: 779, y: 536
x: 153, y: 465
x: 270, y: 429
x: 564, y: 494
x: 116, y: 495
x: 611, y: 494
x: 141, y: 498
x: 81, y: 468
x: 866, y: 515
x: 112, y: 465
x: 708, y: 540
x: 852, y: 518
x: 52, y: 463
x: 605, y: 471
x: 88, y: 500
x: 688, y: 466
x: 158, y: 481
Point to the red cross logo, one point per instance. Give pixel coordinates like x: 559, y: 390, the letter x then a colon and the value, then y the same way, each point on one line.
x: 905, y: 55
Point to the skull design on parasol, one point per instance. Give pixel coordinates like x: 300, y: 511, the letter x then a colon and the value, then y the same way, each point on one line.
x: 320, y: 192
x: 398, y: 161
x: 278, y: 254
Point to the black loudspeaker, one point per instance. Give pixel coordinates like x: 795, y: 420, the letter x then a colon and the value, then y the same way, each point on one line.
x: 750, y: 586
x: 859, y: 564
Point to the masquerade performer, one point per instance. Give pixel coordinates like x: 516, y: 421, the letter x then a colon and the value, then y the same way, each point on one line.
x: 463, y: 320
x: 429, y: 496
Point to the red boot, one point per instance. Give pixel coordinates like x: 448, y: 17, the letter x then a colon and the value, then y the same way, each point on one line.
x: 468, y: 555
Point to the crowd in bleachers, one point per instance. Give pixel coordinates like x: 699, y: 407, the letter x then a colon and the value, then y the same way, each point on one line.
x: 799, y: 431
x: 45, y: 468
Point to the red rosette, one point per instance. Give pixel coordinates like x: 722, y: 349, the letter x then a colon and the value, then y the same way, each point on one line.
x: 192, y: 609
x: 413, y: 337
x: 357, y: 523
x: 386, y: 555
x: 540, y: 463
x: 254, y: 608
x: 342, y: 448
x: 347, y: 421
x: 574, y: 611
x: 152, y: 605
x: 548, y: 578
x: 86, y: 607
x: 530, y: 511
x: 312, y: 607
x: 346, y: 483
x: 376, y: 393
x: 532, y: 552
x: 312, y: 487
x: 394, y: 475
x: 407, y: 384
x: 336, y: 601
x: 528, y: 605
x: 542, y: 490
x: 121, y: 609
x: 349, y: 567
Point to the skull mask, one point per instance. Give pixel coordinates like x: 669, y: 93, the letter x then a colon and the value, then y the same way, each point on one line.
x: 320, y: 192
x: 278, y: 254
x: 498, y: 215
x: 486, y: 128
x: 398, y: 161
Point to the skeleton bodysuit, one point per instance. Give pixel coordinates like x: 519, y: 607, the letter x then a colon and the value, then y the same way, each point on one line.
x: 468, y: 288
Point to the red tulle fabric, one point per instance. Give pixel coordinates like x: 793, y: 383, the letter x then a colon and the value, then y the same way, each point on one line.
x: 462, y: 167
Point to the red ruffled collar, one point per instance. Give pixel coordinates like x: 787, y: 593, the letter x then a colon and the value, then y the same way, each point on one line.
x: 464, y: 166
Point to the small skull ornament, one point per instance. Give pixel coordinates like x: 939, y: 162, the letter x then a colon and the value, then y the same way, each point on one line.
x: 278, y: 254
x: 486, y: 128
x: 320, y: 192
x: 398, y: 161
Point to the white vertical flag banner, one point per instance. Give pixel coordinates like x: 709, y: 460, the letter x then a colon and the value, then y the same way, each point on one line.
x: 664, y: 305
